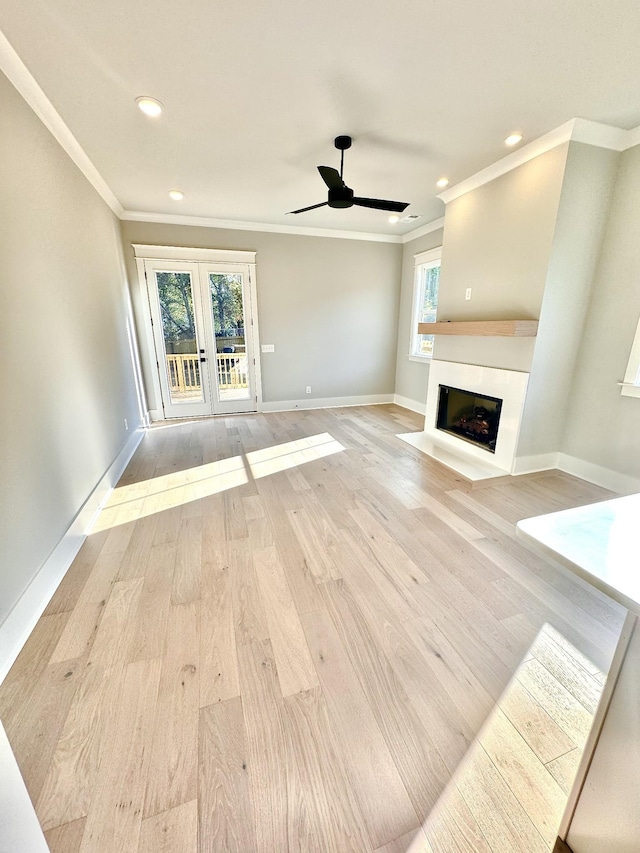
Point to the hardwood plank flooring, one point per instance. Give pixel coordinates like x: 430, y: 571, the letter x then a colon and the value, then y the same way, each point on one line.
x: 263, y: 711
x: 35, y: 656
x: 294, y: 632
x: 383, y: 799
x: 173, y: 768
x: 115, y: 816
x: 42, y: 718
x: 224, y: 804
x: 66, y: 838
x: 324, y: 814
x: 173, y: 831
x: 412, y: 842
x: 218, y: 658
x: 295, y: 668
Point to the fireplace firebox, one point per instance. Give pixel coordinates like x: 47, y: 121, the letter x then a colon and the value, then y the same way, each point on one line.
x: 472, y: 417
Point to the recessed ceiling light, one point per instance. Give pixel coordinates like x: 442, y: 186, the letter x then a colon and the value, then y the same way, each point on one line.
x: 513, y: 139
x: 149, y: 106
x: 176, y: 195
x: 442, y: 183
x: 394, y: 218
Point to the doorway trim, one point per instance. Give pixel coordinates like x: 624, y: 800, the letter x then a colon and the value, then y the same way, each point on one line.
x: 144, y: 252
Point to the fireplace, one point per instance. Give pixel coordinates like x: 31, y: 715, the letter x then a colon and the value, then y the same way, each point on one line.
x: 469, y: 415
x: 487, y: 386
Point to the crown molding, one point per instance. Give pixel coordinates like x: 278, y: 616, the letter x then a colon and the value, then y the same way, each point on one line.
x: 434, y: 225
x: 600, y: 135
x: 605, y: 135
x: 633, y: 138
x: 19, y: 75
x: 517, y: 158
x: 237, y: 225
x: 575, y: 130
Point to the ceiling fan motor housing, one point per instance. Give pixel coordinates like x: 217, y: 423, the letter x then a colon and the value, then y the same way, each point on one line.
x: 341, y: 197
x: 342, y: 142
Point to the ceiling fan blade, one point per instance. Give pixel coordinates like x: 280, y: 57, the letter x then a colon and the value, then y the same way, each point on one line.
x: 313, y: 207
x: 381, y: 204
x: 331, y: 177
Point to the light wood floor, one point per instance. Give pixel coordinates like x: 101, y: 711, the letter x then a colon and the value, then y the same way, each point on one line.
x: 294, y: 632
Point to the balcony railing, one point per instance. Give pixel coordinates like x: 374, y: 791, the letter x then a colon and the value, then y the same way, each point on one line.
x: 232, y: 370
x: 183, y: 373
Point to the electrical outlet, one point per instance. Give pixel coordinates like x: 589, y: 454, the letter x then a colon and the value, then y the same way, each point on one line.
x: 467, y: 295
x: 126, y: 424
x: 308, y: 389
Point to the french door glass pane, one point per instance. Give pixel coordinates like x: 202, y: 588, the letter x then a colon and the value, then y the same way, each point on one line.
x: 179, y: 333
x: 227, y: 309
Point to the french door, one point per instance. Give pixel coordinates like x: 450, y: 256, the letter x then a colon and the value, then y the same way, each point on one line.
x: 203, y: 332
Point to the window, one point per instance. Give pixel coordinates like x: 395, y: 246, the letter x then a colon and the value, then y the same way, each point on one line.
x: 425, y: 302
x: 631, y: 383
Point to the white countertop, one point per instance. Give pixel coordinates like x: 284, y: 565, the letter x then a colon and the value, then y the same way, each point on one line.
x: 599, y: 542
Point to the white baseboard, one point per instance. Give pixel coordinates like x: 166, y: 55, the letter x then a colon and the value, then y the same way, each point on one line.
x: 22, y: 618
x: 538, y: 462
x: 408, y: 403
x: 327, y: 403
x: 622, y: 484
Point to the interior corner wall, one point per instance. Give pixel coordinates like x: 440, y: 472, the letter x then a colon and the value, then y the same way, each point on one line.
x: 587, y: 189
x: 66, y: 375
x: 602, y: 426
x: 497, y: 241
x: 329, y: 306
x: 411, y: 376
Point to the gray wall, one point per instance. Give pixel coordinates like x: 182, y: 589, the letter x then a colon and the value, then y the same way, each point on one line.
x: 412, y: 376
x: 603, y: 427
x: 497, y: 240
x: 66, y: 380
x: 330, y: 307
x: 582, y: 214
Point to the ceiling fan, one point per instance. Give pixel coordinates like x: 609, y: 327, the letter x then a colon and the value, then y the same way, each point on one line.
x: 340, y: 195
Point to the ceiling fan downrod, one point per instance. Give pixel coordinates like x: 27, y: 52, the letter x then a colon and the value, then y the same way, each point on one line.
x: 342, y: 143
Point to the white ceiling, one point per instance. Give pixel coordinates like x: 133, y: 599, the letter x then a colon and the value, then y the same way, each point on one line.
x: 255, y: 91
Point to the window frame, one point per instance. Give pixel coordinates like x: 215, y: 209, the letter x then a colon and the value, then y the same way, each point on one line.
x: 429, y: 259
x: 630, y: 385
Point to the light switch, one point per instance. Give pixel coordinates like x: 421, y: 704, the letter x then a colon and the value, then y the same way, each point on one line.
x: 467, y: 294
x: 268, y: 348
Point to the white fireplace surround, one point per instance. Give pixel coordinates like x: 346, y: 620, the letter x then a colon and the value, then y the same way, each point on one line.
x: 473, y: 462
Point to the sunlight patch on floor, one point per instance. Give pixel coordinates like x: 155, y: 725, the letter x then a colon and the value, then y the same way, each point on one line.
x: 510, y: 790
x: 139, y: 500
x: 270, y: 460
x: 167, y: 491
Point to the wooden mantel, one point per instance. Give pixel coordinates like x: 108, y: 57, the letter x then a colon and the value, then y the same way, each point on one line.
x: 487, y: 328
